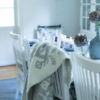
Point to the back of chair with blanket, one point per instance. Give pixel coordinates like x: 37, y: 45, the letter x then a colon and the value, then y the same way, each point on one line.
x: 49, y: 74
x: 61, y: 90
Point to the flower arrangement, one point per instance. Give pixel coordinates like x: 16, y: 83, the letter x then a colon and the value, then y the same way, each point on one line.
x: 95, y: 18
x: 80, y: 40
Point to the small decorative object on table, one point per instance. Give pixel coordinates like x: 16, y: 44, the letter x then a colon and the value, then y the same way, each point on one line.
x: 68, y: 44
x: 81, y: 41
x: 94, y: 48
x: 31, y: 43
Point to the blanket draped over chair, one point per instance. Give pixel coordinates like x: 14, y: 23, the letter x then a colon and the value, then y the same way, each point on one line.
x: 45, y: 60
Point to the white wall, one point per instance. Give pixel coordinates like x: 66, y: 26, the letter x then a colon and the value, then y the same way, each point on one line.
x: 6, y: 51
x: 48, y: 12
x: 68, y: 14
x: 37, y: 12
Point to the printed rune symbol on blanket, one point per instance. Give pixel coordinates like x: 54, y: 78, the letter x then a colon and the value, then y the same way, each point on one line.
x: 60, y: 53
x: 54, y: 50
x: 52, y: 59
x: 42, y: 53
x: 38, y: 64
x: 41, y: 64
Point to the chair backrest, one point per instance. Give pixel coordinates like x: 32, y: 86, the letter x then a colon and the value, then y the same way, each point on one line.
x: 27, y: 47
x: 16, y: 41
x: 61, y: 90
x: 50, y: 33
x: 27, y: 50
x: 86, y: 75
x: 58, y: 90
x: 19, y: 52
x: 50, y: 27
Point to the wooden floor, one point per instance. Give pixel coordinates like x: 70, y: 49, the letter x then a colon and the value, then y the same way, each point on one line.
x: 7, y: 72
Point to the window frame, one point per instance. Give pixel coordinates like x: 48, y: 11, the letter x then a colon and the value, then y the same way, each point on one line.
x: 14, y: 9
x: 92, y: 32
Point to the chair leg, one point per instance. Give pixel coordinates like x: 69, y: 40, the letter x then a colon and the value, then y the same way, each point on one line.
x: 21, y: 88
x: 17, y: 88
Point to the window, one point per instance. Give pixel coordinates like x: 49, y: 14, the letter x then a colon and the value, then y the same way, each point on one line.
x: 6, y: 13
x: 88, y: 6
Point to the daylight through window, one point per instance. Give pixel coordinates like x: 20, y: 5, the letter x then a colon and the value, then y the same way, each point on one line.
x: 6, y: 13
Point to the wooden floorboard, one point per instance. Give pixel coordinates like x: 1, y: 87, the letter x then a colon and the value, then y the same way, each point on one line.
x: 7, y: 72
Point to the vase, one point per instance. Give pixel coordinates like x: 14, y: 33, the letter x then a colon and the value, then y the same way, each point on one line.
x: 94, y: 47
x: 83, y: 50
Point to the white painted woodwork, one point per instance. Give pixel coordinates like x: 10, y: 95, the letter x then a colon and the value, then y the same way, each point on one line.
x: 20, y: 61
x: 86, y: 75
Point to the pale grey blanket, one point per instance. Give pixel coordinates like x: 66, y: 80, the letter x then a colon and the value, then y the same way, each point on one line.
x: 45, y: 60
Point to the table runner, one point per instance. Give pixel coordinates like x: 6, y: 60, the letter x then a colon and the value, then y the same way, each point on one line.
x: 45, y: 60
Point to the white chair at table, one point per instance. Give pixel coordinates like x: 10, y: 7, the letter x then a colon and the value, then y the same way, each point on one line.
x: 27, y: 49
x: 61, y: 91
x: 49, y: 33
x: 86, y: 75
x: 20, y: 61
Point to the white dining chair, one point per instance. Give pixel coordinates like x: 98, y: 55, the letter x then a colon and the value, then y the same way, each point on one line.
x: 49, y: 33
x: 27, y: 49
x: 86, y: 75
x: 20, y: 61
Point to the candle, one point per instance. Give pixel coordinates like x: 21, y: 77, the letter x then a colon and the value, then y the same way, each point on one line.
x: 63, y: 37
x: 71, y: 40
